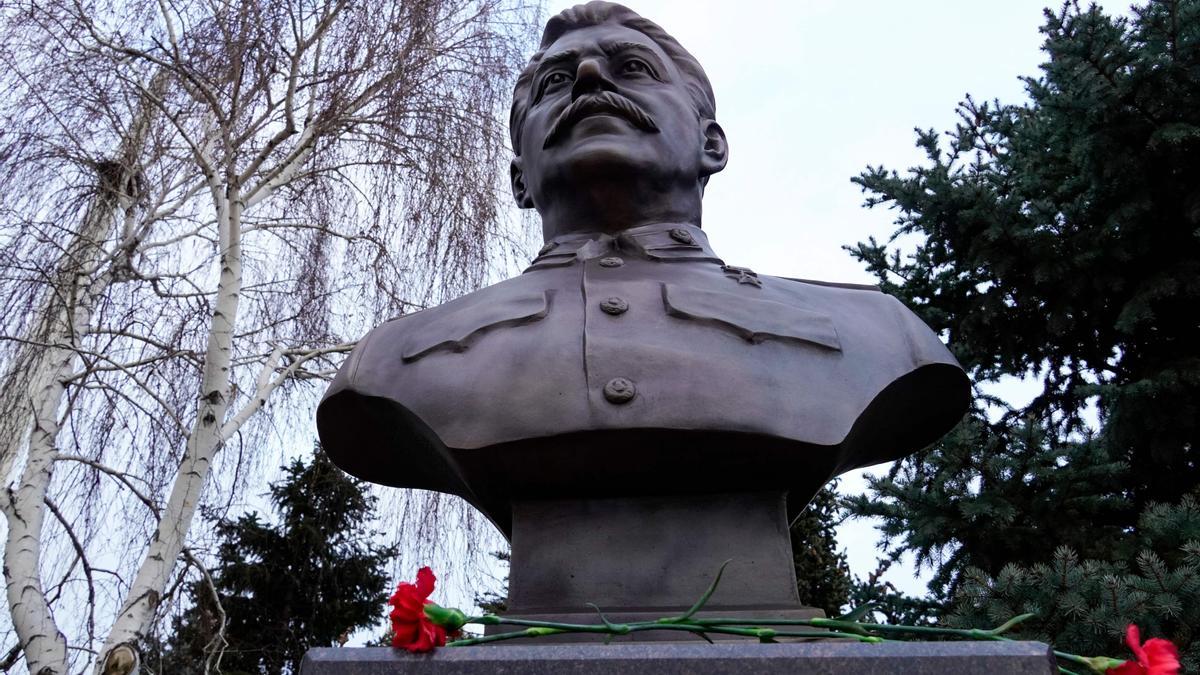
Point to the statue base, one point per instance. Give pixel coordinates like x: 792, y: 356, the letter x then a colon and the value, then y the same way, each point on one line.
x: 827, y: 658
x: 652, y: 556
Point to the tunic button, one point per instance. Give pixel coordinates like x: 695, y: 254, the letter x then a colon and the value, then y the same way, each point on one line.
x: 619, y: 390
x: 614, y: 306
x: 612, y: 261
x: 682, y: 236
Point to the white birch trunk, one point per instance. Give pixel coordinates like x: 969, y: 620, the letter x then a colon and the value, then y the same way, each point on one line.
x: 44, y: 645
x: 38, y: 383
x: 138, y: 611
x: 67, y: 317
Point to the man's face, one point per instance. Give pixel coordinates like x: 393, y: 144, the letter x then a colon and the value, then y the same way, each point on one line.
x: 606, y: 100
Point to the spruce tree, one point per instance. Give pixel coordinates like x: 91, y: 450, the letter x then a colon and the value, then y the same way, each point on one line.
x: 306, y: 581
x: 496, y: 602
x: 874, y: 599
x: 1059, y: 239
x: 1083, y: 603
x: 822, y: 574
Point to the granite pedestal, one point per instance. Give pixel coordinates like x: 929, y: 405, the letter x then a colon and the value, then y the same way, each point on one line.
x: 815, y: 658
x: 644, y: 558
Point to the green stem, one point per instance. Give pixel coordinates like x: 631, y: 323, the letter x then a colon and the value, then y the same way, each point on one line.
x: 567, y: 627
x: 527, y: 633
x: 972, y: 633
x: 852, y: 630
x: 1095, y: 664
x: 767, y: 632
x: 1073, y: 658
x: 540, y: 628
x: 730, y: 626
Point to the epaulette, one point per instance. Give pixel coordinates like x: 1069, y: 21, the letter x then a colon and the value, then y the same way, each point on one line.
x: 834, y: 284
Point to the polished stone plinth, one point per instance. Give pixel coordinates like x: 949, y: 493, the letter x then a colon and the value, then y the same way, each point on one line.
x: 644, y: 558
x: 651, y: 554
x: 817, y: 658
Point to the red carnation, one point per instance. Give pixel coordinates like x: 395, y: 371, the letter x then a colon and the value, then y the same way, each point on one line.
x: 411, y: 629
x: 1156, y: 657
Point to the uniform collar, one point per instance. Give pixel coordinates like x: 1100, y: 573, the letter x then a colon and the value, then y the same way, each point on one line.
x: 661, y: 242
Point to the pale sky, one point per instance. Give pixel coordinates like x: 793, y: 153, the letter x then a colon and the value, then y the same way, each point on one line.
x: 809, y: 93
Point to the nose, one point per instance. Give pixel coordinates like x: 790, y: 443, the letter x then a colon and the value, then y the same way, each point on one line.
x: 590, y: 79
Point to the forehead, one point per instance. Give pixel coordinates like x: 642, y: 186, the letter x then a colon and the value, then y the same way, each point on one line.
x: 590, y: 41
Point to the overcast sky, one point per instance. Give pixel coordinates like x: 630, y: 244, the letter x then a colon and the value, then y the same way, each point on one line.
x: 809, y: 92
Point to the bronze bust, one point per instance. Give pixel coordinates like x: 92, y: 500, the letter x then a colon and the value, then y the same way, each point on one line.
x: 629, y: 359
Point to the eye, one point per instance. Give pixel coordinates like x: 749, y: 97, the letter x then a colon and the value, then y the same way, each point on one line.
x: 550, y: 81
x: 557, y: 77
x: 634, y: 66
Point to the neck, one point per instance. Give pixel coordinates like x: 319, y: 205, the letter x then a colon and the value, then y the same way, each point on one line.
x: 611, y: 209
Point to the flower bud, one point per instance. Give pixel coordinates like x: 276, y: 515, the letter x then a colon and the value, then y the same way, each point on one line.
x: 1101, y: 664
x: 447, y: 617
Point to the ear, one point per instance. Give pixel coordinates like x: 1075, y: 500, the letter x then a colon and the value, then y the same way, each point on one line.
x: 716, y: 148
x: 518, y: 185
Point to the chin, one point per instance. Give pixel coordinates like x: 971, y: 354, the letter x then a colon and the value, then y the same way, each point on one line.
x: 609, y: 156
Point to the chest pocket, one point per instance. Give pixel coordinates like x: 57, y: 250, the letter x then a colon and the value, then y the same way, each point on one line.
x: 753, y: 319
x: 456, y: 331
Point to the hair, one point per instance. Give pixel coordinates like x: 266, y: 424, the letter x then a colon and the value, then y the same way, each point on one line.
x: 596, y: 13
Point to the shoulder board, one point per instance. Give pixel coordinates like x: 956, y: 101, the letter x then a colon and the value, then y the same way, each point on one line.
x: 416, y: 309
x: 833, y: 284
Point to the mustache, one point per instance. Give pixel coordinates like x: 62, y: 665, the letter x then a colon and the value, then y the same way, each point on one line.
x: 594, y: 104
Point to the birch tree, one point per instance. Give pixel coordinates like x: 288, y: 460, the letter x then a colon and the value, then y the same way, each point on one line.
x: 212, y: 199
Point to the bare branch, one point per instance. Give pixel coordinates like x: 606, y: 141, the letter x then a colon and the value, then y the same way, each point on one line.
x: 209, y: 203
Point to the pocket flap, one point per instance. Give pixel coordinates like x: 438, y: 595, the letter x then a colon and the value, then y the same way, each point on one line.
x: 753, y: 319
x: 455, y: 330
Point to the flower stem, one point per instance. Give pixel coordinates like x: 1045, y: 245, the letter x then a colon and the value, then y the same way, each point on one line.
x: 540, y: 628
x: 757, y: 628
x: 565, y: 627
x: 527, y: 633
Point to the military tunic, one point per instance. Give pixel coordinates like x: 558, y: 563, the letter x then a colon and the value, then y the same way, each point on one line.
x: 640, y: 364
